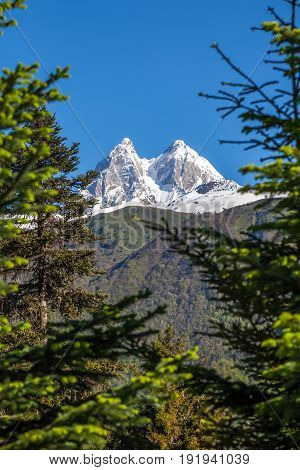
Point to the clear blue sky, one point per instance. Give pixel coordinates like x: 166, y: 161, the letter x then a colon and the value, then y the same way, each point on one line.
x: 137, y: 66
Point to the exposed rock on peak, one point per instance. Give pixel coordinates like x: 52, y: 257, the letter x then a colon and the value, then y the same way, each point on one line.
x: 177, y: 143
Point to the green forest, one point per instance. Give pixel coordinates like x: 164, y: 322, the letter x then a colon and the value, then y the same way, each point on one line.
x: 98, y: 350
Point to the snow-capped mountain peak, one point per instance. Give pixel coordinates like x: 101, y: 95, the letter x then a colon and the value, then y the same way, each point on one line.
x: 182, y: 168
x: 124, y: 149
x: 178, y: 179
x: 177, y: 144
x: 127, y: 141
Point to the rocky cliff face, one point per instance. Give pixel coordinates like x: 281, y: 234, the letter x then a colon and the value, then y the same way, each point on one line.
x: 179, y: 179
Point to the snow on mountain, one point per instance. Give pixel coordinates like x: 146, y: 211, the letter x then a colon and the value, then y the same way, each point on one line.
x: 180, y: 179
x: 213, y: 197
x: 123, y: 178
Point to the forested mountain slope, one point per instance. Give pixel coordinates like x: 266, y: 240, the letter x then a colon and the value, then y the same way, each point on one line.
x: 136, y: 257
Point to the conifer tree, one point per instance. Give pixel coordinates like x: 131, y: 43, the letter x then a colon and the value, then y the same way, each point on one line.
x: 22, y: 99
x: 257, y: 281
x: 179, y: 422
x: 31, y: 375
x: 32, y: 417
x: 56, y: 242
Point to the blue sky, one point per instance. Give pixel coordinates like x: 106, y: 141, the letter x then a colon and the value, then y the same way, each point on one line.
x: 137, y: 66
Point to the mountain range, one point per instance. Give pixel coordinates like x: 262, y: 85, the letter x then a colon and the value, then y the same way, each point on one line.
x: 179, y: 179
x: 183, y: 188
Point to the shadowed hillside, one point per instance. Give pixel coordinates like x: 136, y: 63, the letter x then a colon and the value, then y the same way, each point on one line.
x: 135, y: 257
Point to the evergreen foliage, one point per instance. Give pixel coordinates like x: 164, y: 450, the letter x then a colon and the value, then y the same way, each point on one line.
x: 56, y: 242
x: 180, y: 422
x: 33, y: 418
x: 258, y: 280
x: 35, y: 376
x: 22, y: 95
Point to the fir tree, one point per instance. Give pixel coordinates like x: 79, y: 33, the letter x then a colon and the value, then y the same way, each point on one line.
x: 180, y: 420
x: 32, y: 416
x: 32, y: 375
x: 22, y: 99
x: 257, y: 280
x: 56, y: 242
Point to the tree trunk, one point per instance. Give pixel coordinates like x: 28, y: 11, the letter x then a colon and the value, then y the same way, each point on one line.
x: 42, y: 294
x: 43, y: 314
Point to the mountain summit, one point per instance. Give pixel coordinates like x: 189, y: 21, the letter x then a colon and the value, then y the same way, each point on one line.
x: 179, y: 179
